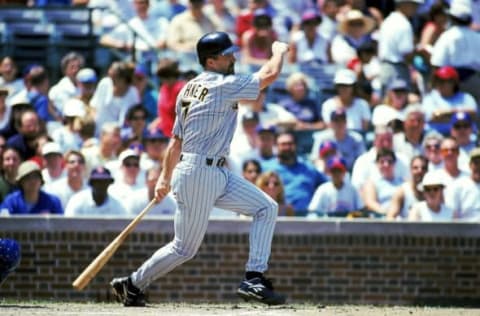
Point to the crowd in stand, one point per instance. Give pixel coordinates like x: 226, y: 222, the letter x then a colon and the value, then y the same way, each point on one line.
x: 395, y: 138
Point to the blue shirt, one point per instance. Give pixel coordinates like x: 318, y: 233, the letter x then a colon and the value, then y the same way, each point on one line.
x: 300, y: 181
x: 305, y: 110
x: 46, y: 204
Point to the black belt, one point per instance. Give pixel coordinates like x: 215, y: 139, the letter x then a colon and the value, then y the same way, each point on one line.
x: 209, y: 161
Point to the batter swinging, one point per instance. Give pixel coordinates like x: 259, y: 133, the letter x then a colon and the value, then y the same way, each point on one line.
x: 206, y: 118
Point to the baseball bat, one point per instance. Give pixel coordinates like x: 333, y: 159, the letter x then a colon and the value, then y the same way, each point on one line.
x: 97, y: 264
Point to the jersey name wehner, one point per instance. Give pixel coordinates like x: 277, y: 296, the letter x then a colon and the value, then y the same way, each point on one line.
x: 195, y: 90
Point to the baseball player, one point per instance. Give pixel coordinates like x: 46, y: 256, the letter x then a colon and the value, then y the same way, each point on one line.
x: 194, y: 169
x: 9, y: 257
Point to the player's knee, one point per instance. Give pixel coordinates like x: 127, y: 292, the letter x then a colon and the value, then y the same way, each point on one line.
x: 185, y: 252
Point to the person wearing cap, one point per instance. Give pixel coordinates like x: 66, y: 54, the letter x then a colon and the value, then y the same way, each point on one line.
x: 114, y: 94
x: 308, y: 44
x: 378, y: 192
x: 434, y: 207
x: 328, y: 149
x: 455, y: 162
x: 398, y: 95
x: 188, y: 27
x: 458, y: 47
x: 9, y: 79
x: 446, y: 98
x: 409, y: 141
x: 66, y: 87
x: 409, y: 192
x: 396, y: 46
x: 155, y: 143
x: 86, y: 82
x: 353, y: 30
x: 431, y: 149
x: 336, y: 197
x: 30, y: 199
x: 96, y: 200
x: 350, y: 144
x: 245, y: 17
x: 357, y: 109
x: 257, y: 41
x: 301, y: 104
x: 462, y: 129
x: 68, y: 136
x: 53, y: 161
x: 464, y: 196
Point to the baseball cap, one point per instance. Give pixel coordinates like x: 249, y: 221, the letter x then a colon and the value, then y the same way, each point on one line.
x: 336, y: 163
x: 461, y: 117
x: 311, y: 15
x: 128, y: 153
x: 74, y: 107
x: 432, y: 178
x: 26, y: 168
x: 338, y: 114
x: 154, y: 134
x: 4, y: 90
x: 460, y: 10
x: 141, y: 70
x: 345, y: 76
x: 86, y: 75
x: 398, y: 84
x: 447, y: 73
x: 101, y: 173
x: 51, y: 148
x: 384, y: 114
x: 475, y: 153
x: 326, y: 147
x: 266, y: 128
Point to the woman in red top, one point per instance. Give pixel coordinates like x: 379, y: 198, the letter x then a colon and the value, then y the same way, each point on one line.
x: 168, y: 73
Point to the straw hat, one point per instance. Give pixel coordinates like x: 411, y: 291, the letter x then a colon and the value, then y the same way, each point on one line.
x: 356, y: 15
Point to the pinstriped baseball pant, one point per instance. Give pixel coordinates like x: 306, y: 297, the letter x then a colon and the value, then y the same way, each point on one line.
x: 197, y: 188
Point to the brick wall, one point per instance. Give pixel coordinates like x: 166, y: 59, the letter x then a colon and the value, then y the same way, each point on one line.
x: 364, y: 262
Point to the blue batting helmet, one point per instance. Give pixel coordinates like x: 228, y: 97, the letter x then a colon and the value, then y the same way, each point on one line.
x: 214, y: 44
x: 9, y: 257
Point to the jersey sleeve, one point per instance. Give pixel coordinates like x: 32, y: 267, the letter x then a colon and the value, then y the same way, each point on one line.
x: 241, y: 87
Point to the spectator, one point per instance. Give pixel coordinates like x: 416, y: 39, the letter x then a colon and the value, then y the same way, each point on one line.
x: 106, y: 150
x: 328, y: 27
x: 168, y: 9
x: 350, y: 144
x: 365, y: 166
x: 146, y: 92
x: 141, y: 197
x: 354, y: 30
x: 30, y: 199
x: 461, y: 129
x: 244, y: 140
x: 155, y: 145
x: 433, y: 208
x: 409, y: 142
x: 396, y: 42
x: 5, y: 111
x: 86, y: 82
x: 409, y: 193
x: 378, y: 192
x: 115, y: 94
x: 452, y: 168
x: 431, y: 147
x: 397, y: 96
x: 135, y: 125
x: 358, y: 111
x: 299, y: 177
x: 434, y: 27
x: 187, y: 27
x: 9, y: 80
x: 223, y: 13
x: 270, y: 183
x: 446, y: 99
x: 10, y: 161
x: 28, y: 127
x: 73, y: 182
x: 170, y: 86
x: 458, y: 47
x: 66, y: 88
x: 127, y: 176
x: 336, y: 197
x: 308, y: 44
x: 251, y: 169
x: 68, y: 136
x: 144, y: 33
x: 301, y: 104
x: 328, y: 150
x: 464, y: 196
x: 53, y: 162
x: 96, y: 201
x: 257, y: 41
x: 245, y: 18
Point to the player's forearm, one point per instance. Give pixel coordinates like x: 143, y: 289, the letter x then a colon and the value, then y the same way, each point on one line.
x: 270, y: 71
x: 171, y: 158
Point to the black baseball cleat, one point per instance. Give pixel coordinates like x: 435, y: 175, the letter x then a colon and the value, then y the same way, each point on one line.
x: 125, y: 292
x: 260, y: 290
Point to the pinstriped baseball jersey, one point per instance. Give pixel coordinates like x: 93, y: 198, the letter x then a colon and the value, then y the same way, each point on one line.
x: 206, y: 119
x: 207, y: 110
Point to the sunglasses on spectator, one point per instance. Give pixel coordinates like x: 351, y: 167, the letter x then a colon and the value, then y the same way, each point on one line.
x: 131, y: 164
x: 386, y: 161
x: 75, y: 161
x: 274, y: 183
x: 433, y: 146
x: 446, y: 151
x: 461, y: 126
x: 433, y: 189
x: 138, y: 118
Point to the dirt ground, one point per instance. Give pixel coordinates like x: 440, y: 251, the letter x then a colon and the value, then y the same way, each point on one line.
x: 16, y: 308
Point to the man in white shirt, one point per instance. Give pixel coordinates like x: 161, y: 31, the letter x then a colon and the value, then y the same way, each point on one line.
x: 96, y: 201
x: 396, y: 42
